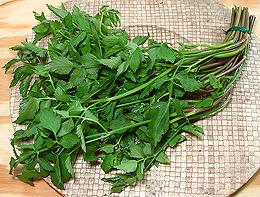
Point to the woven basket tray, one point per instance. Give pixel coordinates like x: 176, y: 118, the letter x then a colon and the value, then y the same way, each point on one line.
x: 229, y: 153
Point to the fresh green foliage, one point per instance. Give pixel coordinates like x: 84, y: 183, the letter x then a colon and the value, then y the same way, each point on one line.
x: 159, y: 121
x: 94, y: 92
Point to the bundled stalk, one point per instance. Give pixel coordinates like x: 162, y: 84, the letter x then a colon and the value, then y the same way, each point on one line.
x: 98, y: 94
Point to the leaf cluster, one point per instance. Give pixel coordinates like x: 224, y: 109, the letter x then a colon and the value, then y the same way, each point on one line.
x: 94, y: 91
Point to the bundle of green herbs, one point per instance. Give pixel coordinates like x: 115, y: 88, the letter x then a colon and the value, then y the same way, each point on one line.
x: 94, y: 92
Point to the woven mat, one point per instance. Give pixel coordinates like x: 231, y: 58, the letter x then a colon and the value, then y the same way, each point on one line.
x: 229, y: 153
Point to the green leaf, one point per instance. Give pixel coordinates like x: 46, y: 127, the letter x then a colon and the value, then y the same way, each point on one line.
x: 136, y: 151
x: 193, y: 129
x: 112, y: 62
x: 81, y: 137
x: 20, y: 177
x: 108, y: 163
x: 68, y: 164
x: 45, y: 164
x: 76, y: 40
x: 29, y: 111
x: 23, y: 134
x: 69, y: 140
x: 214, y: 81
x: 147, y: 149
x: 83, y: 89
x: 90, y: 116
x: 110, y: 16
x: 129, y: 180
x: 163, y: 53
x: 90, y: 154
x: 188, y: 84
x: 127, y: 141
x: 78, y: 76
x: 63, y: 113
x: 109, y: 111
x: 68, y: 22
x: 155, y: 85
x: 42, y: 29
x: 135, y: 59
x: 115, y: 41
x: 184, y: 104
x: 127, y: 166
x: 177, y: 139
x: 139, y: 40
x: 50, y: 120
x: 89, y: 60
x: 117, y: 189
x: 40, y: 70
x: 49, y: 143
x: 29, y: 171
x: 140, y: 170
x: 75, y: 108
x: 11, y: 62
x: 41, y: 52
x: 122, y: 68
x: 26, y: 155
x: 40, y: 17
x: 167, y: 53
x: 177, y: 107
x: 143, y: 134
x: 207, y: 102
x: 108, y: 148
x: 65, y: 166
x: 61, y: 95
x: 66, y: 127
x: 121, y: 121
x: 87, y: 47
x: 177, y: 91
x: 38, y: 143
x: 146, y: 91
x: 112, y: 179
x: 79, y: 17
x: 20, y: 73
x: 56, y: 175
x: 25, y: 146
x: 159, y: 121
x: 159, y: 82
x: 60, y: 12
x: 24, y: 86
x: 60, y: 65
x: 12, y: 165
x: 163, y: 158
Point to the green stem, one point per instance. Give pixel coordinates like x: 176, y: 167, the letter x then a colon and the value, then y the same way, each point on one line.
x: 210, y: 47
x: 87, y: 108
x: 133, y: 90
x: 198, y: 62
x: 48, y: 98
x: 100, y: 24
x: 63, y: 35
x: 232, y: 53
x: 107, y: 134
x: 91, y: 120
x: 132, y: 103
x: 51, y: 81
x: 165, y: 94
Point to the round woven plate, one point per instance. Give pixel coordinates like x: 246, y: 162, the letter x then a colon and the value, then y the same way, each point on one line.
x: 216, y: 164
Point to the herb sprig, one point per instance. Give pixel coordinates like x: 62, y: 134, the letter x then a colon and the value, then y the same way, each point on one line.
x: 94, y: 92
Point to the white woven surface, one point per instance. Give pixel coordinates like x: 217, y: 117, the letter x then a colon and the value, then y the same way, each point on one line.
x: 229, y: 153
